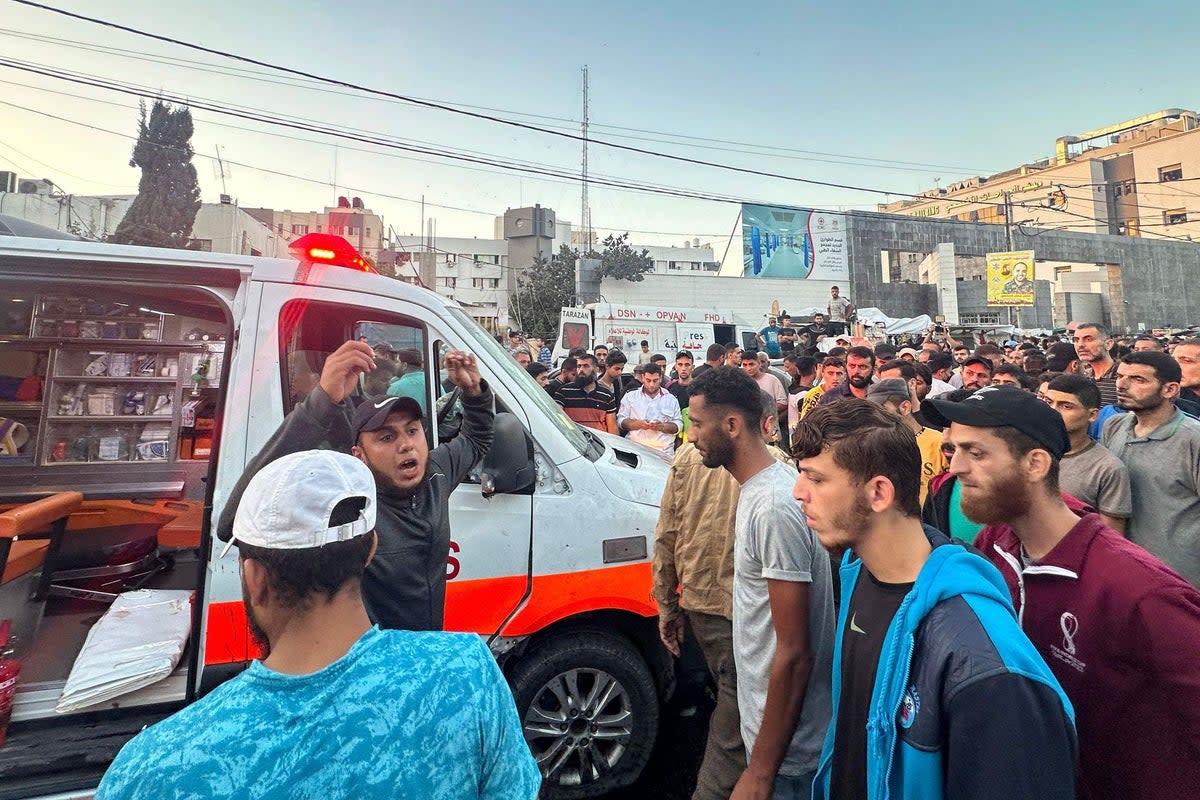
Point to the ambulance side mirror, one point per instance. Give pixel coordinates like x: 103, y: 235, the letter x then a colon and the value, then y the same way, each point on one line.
x: 508, y: 467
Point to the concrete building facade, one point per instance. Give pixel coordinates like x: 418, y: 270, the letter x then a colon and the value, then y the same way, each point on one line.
x: 1133, y: 178
x: 1139, y: 282
x: 470, y: 271
x: 219, y: 227
x: 88, y: 217
x: 350, y: 219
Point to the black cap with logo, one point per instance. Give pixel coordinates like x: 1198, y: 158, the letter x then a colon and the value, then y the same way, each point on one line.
x: 1009, y: 407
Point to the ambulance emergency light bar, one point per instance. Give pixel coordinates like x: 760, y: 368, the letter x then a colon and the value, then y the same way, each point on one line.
x: 328, y: 249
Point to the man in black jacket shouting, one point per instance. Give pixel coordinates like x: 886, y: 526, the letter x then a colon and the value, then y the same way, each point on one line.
x: 405, y: 584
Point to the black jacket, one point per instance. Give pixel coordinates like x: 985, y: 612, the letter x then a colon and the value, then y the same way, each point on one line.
x: 405, y: 584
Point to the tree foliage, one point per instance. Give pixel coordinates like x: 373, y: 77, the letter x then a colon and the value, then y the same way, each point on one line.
x: 619, y: 260
x: 168, y: 198
x: 542, y: 291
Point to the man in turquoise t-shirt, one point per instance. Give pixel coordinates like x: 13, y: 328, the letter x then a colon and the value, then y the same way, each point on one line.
x: 411, y: 379
x: 768, y: 338
x: 337, y: 708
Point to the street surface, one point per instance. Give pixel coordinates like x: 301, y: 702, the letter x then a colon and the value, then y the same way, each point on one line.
x: 671, y: 773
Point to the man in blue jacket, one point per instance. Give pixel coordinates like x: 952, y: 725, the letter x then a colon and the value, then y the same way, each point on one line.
x: 936, y: 691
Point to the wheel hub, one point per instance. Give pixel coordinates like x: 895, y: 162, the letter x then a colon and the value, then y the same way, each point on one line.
x: 579, y: 725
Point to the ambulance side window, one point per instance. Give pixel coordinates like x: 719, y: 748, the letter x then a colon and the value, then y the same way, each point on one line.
x: 448, y: 407
x: 310, y: 331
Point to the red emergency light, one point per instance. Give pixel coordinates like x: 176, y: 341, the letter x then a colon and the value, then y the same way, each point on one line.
x: 326, y: 248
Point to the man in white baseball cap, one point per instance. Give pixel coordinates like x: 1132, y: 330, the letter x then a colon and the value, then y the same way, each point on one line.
x: 337, y: 708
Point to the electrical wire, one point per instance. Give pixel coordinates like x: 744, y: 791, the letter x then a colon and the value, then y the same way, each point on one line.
x: 313, y: 128
x: 454, y: 110
x: 341, y: 134
x: 571, y: 124
x: 357, y: 190
x: 769, y: 151
x: 275, y: 134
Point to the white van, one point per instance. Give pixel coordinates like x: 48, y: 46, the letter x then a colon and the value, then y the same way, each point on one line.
x: 666, y: 330
x: 140, y: 382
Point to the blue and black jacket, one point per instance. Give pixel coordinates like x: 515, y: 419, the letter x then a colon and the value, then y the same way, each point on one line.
x: 963, y: 705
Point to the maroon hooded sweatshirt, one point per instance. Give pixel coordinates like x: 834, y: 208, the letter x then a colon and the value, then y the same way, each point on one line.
x: 1121, y: 632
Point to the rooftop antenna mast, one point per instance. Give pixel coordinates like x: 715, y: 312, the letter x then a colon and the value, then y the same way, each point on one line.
x: 221, y: 172
x: 585, y: 220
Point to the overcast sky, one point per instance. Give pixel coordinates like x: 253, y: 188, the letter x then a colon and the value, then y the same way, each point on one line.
x: 900, y: 95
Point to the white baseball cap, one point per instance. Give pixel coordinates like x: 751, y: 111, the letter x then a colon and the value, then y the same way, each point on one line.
x: 287, y: 505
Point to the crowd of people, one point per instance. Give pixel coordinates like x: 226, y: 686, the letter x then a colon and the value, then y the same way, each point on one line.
x: 930, y: 571
x: 1014, y: 533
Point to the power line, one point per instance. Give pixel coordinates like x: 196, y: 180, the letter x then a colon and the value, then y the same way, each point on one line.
x: 280, y: 173
x: 567, y: 123
x: 147, y: 93
x: 674, y: 192
x: 1106, y: 222
x: 385, y: 195
x: 312, y: 128
x: 454, y: 110
x: 53, y: 168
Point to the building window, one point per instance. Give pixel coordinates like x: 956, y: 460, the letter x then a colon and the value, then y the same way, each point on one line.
x: 1176, y: 216
x: 1171, y: 173
x: 448, y: 282
x: 202, y: 244
x: 279, y: 228
x: 485, y: 283
x: 1124, y: 188
x: 300, y: 229
x: 991, y: 318
x: 318, y: 229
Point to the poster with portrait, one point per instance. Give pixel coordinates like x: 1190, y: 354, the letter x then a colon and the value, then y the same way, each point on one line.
x: 1010, y: 278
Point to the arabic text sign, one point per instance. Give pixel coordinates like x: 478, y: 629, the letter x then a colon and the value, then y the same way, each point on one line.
x: 694, y: 338
x: 1010, y: 278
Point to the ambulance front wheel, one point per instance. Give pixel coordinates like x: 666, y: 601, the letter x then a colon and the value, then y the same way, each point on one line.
x: 589, y: 713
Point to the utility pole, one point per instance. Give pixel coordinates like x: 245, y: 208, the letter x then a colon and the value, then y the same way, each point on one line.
x: 1008, y: 237
x: 585, y: 224
x: 221, y: 172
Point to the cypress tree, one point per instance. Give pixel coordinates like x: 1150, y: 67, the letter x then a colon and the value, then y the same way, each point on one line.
x: 168, y: 195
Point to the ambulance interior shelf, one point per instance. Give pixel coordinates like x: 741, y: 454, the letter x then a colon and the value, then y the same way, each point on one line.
x: 74, y: 394
x: 102, y: 409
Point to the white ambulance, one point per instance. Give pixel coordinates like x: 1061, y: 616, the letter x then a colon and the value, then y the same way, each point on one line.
x: 136, y: 383
x: 666, y: 330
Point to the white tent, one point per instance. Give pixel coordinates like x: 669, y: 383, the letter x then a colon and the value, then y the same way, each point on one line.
x: 874, y: 318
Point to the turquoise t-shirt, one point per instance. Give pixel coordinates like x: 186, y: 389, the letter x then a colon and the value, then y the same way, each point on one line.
x: 401, y: 715
x: 770, y: 336
x: 410, y: 384
x: 960, y: 526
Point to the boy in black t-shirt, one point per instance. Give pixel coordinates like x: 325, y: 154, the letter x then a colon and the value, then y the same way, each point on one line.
x: 787, y: 334
x: 937, y: 693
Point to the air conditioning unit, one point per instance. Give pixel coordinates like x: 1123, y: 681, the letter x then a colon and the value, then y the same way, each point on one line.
x: 34, y: 187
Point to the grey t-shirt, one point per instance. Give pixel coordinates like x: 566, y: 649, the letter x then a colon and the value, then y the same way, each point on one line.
x: 1098, y: 478
x: 1164, y: 474
x: 773, y: 542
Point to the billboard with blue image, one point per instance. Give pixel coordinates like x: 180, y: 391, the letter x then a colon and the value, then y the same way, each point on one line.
x: 798, y: 243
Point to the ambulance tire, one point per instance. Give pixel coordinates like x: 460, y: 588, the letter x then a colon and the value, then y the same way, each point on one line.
x: 589, y: 750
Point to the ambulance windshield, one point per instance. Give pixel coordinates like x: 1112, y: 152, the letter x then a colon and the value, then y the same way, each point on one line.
x: 546, y: 405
